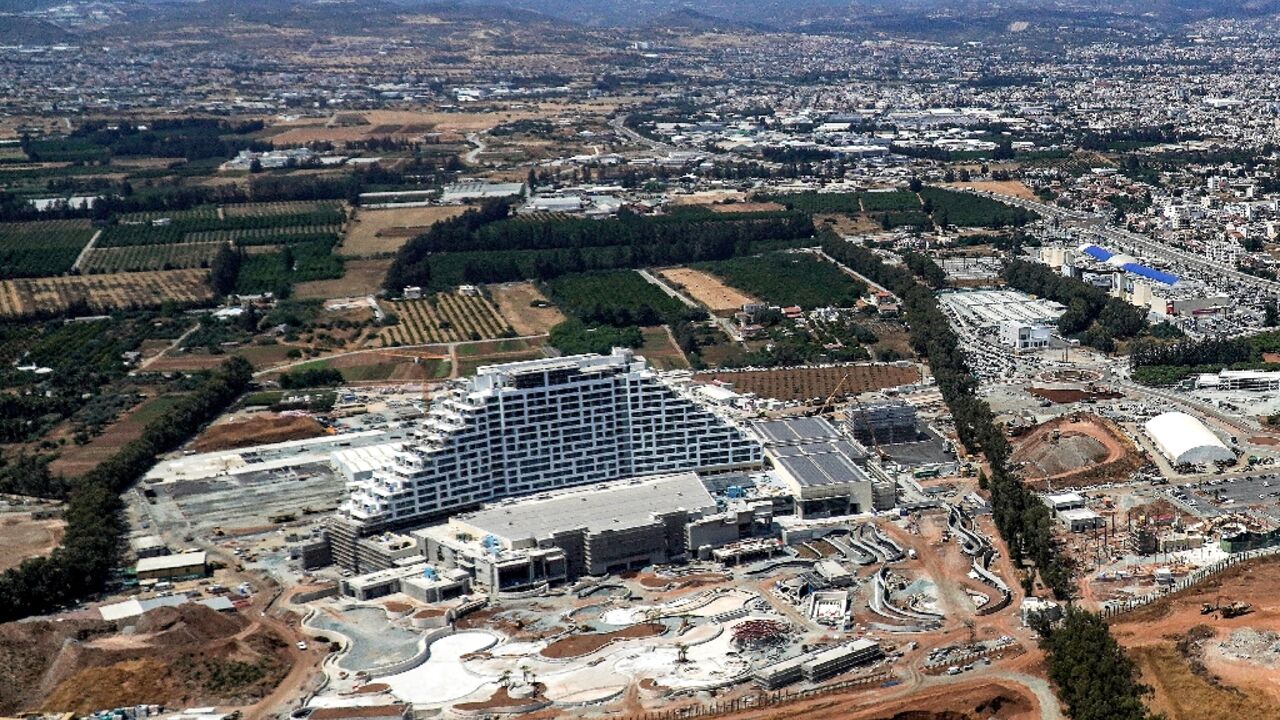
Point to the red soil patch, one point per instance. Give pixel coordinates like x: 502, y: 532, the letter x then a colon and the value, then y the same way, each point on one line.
x: 1063, y: 396
x: 578, y: 645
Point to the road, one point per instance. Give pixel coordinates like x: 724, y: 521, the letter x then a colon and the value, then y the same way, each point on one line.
x: 84, y: 253
x: 724, y: 323
x: 473, y: 155
x: 1124, y: 240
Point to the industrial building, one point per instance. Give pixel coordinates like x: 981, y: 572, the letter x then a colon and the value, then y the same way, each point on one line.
x: 1250, y: 380
x: 819, y: 664
x: 991, y: 308
x: 1184, y: 440
x: 183, y: 566
x: 819, y: 466
x: 527, y: 427
x: 557, y: 537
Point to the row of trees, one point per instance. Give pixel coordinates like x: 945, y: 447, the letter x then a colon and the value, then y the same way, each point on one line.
x: 1094, y: 677
x: 486, y: 246
x: 82, y: 566
x: 1022, y: 519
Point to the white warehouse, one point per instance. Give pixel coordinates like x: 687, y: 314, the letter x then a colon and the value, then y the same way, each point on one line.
x: 1185, y: 440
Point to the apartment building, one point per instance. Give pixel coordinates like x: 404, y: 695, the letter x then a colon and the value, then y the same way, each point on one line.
x: 527, y: 427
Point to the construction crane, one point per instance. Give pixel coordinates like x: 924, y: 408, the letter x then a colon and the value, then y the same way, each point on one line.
x: 825, y: 407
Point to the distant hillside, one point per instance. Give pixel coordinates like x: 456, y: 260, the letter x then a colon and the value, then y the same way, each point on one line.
x: 18, y: 30
x: 944, y: 17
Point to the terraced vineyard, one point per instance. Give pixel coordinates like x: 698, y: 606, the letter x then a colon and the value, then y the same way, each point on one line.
x: 102, y: 293
x: 445, y: 317
x: 42, y: 248
x: 150, y: 257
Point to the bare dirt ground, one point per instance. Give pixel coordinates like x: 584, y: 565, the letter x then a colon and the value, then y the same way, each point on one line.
x: 514, y: 304
x: 1087, y: 450
x: 381, y: 232
x: 1012, y: 188
x: 1227, y: 688
x: 256, y: 430
x: 709, y: 197
x: 740, y: 207
x: 707, y: 289
x: 362, y: 277
x: 848, y: 224
x: 23, y: 537
x: 79, y: 459
x: 394, y: 122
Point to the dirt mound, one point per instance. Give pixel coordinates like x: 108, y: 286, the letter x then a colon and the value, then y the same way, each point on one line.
x: 1078, y: 449
x: 29, y: 649
x: 190, y: 655
x: 259, y: 429
x: 1067, y: 454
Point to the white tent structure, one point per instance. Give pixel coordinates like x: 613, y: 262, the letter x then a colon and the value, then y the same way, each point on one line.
x: 1185, y: 440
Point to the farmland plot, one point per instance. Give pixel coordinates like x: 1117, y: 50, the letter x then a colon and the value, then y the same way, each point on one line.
x: 42, y: 248
x: 810, y: 383
x: 150, y: 257
x: 103, y: 293
x: 445, y: 317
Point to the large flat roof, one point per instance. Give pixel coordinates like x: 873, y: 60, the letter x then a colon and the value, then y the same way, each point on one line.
x: 825, y: 469
x: 796, y: 430
x: 171, y: 562
x: 613, y: 506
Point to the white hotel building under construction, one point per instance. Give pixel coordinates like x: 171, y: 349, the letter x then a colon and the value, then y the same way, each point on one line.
x: 527, y: 427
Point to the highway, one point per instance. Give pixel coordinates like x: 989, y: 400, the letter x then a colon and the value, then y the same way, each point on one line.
x: 1119, y: 239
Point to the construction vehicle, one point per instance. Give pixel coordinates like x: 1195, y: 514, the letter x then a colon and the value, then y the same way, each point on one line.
x: 1234, y: 610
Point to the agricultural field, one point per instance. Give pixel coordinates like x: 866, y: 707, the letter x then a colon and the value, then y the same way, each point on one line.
x: 849, y: 203
x: 359, y: 277
x: 444, y: 317
x: 619, y: 298
x: 382, y: 232
x: 708, y: 290
x: 103, y: 293
x: 810, y: 383
x: 43, y: 248
x: 789, y: 279
x: 1012, y: 188
x: 660, y: 351
x: 275, y: 271
x: 149, y: 257
x: 279, y: 208
x: 203, y: 223
x: 525, y: 307
x: 967, y: 210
